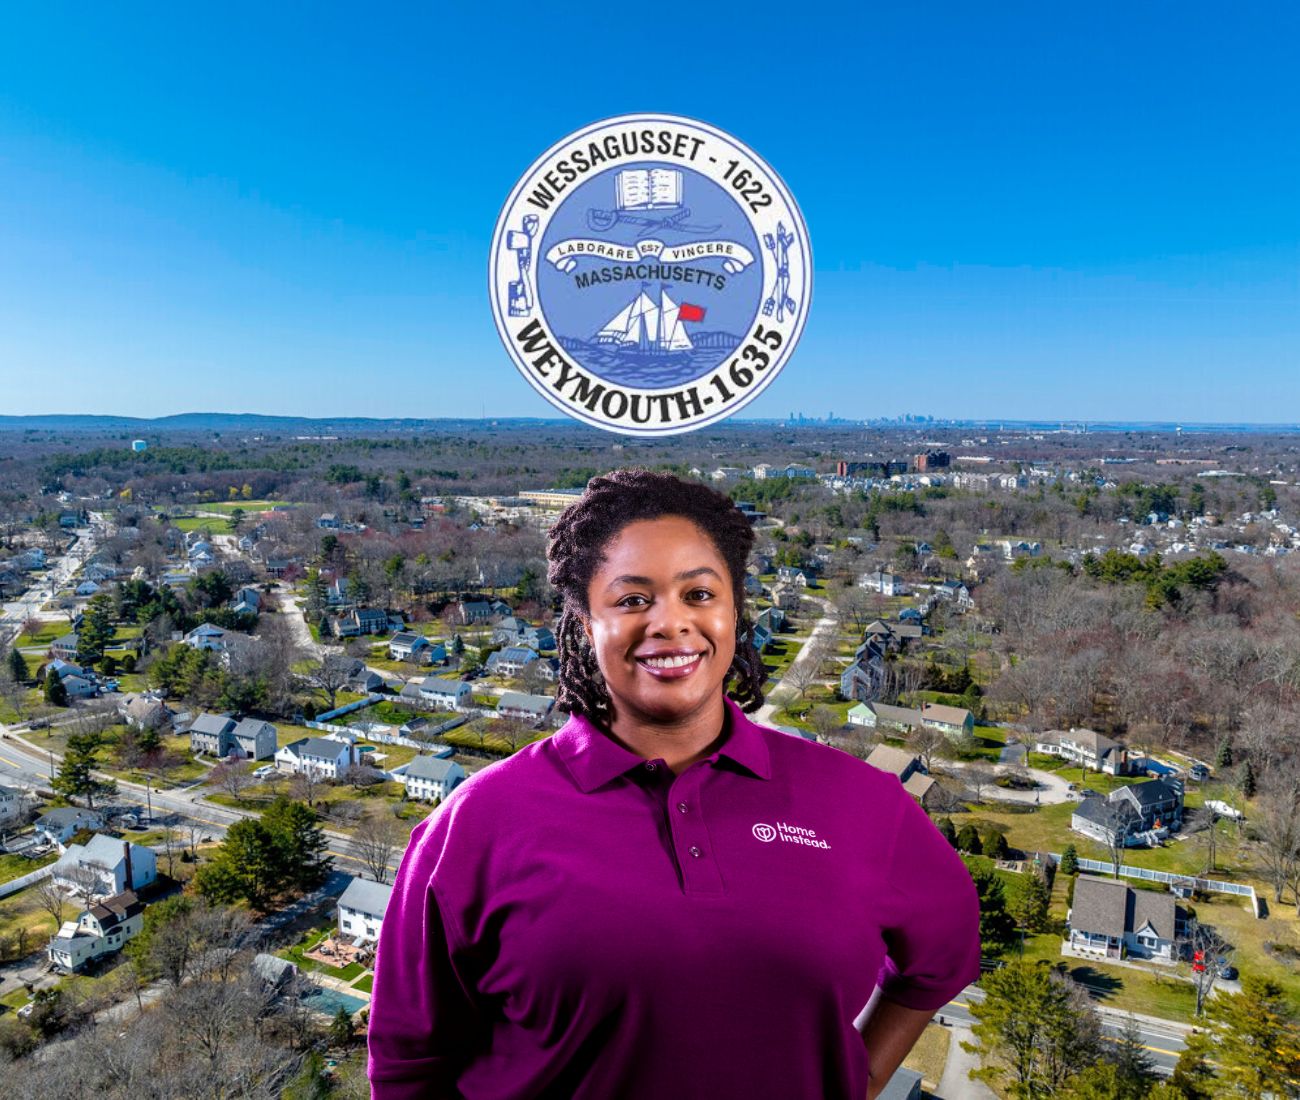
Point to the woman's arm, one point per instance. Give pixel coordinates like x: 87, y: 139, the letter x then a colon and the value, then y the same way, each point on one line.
x: 892, y: 1030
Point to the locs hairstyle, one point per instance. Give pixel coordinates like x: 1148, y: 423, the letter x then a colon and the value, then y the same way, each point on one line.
x: 577, y: 545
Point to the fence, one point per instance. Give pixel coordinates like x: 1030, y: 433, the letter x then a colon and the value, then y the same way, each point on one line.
x: 380, y: 737
x: 1204, y: 885
x: 24, y: 881
x: 348, y: 708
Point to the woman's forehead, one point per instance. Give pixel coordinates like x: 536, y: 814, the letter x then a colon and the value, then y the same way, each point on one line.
x: 667, y: 539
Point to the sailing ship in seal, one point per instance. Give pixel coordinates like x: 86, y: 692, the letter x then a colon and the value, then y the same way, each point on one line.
x: 647, y: 343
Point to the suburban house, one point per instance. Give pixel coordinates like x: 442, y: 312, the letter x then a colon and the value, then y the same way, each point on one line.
x: 328, y: 521
x: 86, y: 588
x: 207, y: 636
x: 208, y: 733
x: 361, y: 620
x: 65, y: 647
x: 100, y: 930
x: 252, y: 739
x: 1109, y: 920
x: 12, y: 804
x: 956, y: 722
x: 440, y: 694
x: 336, y: 595
x: 321, y: 756
x: 865, y: 674
x: 246, y: 600
x: 59, y: 826
x: 786, y: 597
x: 513, y: 631
x: 80, y: 687
x: 510, y: 661
x: 771, y: 618
x: 897, y: 762
x: 430, y: 778
x: 1085, y: 747
x: 361, y: 909
x: 533, y: 709
x: 105, y: 866
x: 957, y: 594
x: 1142, y: 813
x: 884, y: 716
x: 887, y: 584
x: 363, y: 680
x: 469, y: 612
x: 142, y: 712
x: 788, y: 574
x: 408, y: 646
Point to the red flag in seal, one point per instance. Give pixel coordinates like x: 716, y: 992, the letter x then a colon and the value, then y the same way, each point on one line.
x: 688, y: 312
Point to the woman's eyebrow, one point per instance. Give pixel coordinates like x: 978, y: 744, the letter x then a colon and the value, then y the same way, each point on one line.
x: 632, y: 578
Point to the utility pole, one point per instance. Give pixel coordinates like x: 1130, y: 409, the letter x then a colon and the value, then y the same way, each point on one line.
x: 148, y: 797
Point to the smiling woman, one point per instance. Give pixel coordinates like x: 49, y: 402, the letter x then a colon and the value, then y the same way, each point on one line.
x: 663, y: 898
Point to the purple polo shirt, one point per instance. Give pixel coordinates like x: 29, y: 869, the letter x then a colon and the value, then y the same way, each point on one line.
x: 577, y: 921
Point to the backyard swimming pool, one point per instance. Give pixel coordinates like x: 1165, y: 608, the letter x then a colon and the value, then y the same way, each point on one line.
x: 329, y: 1001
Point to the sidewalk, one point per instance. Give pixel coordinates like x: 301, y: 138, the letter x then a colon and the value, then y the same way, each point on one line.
x: 956, y: 1084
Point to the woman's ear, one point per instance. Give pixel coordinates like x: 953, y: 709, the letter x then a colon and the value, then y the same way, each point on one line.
x: 586, y: 630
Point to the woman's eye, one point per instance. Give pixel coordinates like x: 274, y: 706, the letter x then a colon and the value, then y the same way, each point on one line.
x: 701, y: 594
x: 631, y: 601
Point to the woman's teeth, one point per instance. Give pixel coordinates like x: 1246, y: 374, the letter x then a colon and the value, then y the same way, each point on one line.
x: 670, y: 662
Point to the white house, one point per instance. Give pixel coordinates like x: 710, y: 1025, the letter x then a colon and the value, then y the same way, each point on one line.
x: 59, y: 826
x: 100, y: 930
x: 113, y: 865
x: 1086, y: 748
x: 322, y: 756
x: 407, y: 646
x: 361, y: 909
x: 12, y: 804
x: 207, y: 636
x: 529, y: 708
x: 441, y: 694
x: 887, y: 584
x: 430, y: 778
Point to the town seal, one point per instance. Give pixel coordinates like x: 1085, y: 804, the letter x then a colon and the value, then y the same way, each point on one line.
x: 650, y: 275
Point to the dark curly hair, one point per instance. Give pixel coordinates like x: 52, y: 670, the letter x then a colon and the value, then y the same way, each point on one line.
x: 576, y: 549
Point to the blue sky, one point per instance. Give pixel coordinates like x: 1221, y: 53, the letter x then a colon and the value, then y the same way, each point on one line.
x: 1017, y: 210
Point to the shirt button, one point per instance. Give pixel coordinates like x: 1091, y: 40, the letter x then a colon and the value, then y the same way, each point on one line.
x: 682, y: 807
x: 650, y: 765
x: 695, y: 851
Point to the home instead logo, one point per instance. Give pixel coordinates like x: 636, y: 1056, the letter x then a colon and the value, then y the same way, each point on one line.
x: 790, y: 834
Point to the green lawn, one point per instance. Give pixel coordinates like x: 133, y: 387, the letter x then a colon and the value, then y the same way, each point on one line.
x: 365, y: 984
x: 225, y: 507
x: 184, y: 769
x: 309, y: 940
x: 43, y: 635
x: 12, y: 867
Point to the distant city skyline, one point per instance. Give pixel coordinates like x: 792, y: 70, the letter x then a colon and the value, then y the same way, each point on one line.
x: 1022, y: 213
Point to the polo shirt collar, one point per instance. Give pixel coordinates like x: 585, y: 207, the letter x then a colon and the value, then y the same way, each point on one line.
x: 594, y: 758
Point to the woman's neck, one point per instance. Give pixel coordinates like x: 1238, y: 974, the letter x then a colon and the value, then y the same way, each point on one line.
x: 679, y: 744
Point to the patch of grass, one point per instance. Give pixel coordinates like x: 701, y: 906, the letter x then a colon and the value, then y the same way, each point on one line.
x: 930, y: 1055
x: 43, y: 635
x: 12, y: 866
x: 366, y: 984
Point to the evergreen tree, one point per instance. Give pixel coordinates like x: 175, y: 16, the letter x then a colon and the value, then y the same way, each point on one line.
x: 948, y: 829
x: 993, y: 842
x: 251, y: 865
x: 968, y: 840
x: 299, y: 833
x: 1070, y: 860
x: 76, y: 778
x: 1033, y: 1031
x: 1193, y: 1077
x: 1223, y: 758
x: 996, y: 926
x: 341, y: 1028
x: 17, y: 666
x: 457, y: 644
x: 1252, y: 1040
x: 1029, y: 901
x: 55, y: 693
x: 1246, y: 780
x: 96, y: 631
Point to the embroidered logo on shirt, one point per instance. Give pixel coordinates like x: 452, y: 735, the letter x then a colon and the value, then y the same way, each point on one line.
x: 790, y: 834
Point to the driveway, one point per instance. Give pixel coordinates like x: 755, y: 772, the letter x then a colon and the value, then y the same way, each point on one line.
x: 823, y: 628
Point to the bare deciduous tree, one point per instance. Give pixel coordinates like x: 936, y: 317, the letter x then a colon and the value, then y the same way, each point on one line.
x: 978, y: 777
x: 232, y: 775
x: 927, y: 742
x: 377, y: 839
x: 330, y: 675
x: 306, y: 786
x: 51, y: 898
x: 1206, y: 953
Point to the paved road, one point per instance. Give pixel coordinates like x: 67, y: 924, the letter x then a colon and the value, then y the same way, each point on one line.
x: 59, y: 571
x: 823, y: 628
x: 1051, y: 787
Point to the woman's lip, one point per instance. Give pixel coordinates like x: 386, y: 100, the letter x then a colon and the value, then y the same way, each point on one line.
x: 671, y: 672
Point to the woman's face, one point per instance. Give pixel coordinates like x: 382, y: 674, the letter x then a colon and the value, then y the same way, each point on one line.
x: 662, y: 621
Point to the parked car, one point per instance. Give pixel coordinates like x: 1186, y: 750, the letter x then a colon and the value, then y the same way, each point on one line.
x: 263, y: 771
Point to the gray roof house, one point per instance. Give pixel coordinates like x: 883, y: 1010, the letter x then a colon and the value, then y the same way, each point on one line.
x: 1111, y: 920
x: 254, y: 738
x: 58, y: 826
x: 430, y: 778
x: 531, y: 708
x: 361, y: 909
x: 1139, y: 812
x: 208, y: 732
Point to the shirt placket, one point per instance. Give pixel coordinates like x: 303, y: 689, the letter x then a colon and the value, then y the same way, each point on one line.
x: 682, y: 802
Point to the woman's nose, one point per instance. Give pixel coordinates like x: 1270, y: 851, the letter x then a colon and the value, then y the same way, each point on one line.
x: 669, y: 618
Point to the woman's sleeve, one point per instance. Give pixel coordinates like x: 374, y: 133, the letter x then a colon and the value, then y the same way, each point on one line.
x: 932, y: 924
x: 422, y: 1018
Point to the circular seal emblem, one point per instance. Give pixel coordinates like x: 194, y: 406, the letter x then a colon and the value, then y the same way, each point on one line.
x: 765, y: 833
x: 650, y: 275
